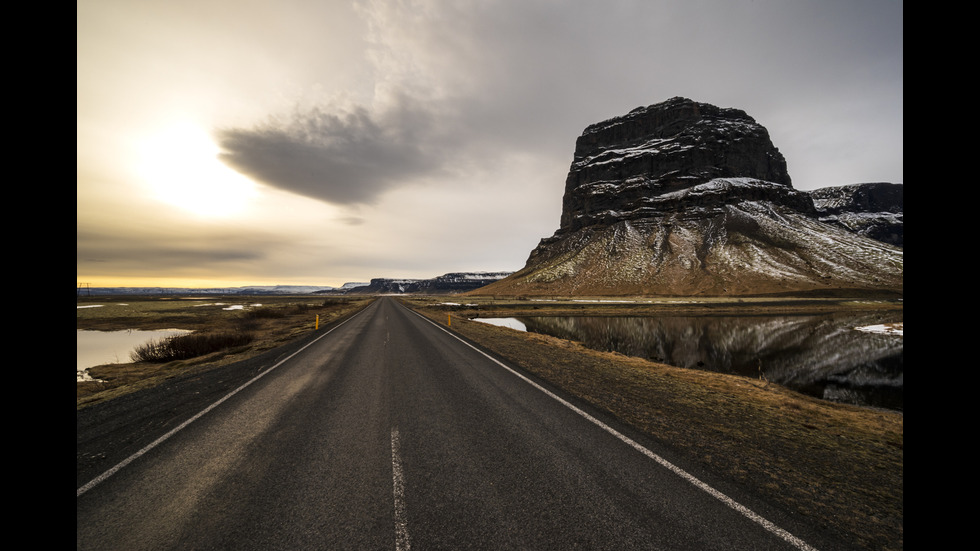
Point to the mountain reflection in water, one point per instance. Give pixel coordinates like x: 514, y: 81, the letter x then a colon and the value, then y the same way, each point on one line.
x: 819, y: 355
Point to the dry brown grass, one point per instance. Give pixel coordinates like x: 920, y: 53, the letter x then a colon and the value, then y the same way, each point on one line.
x: 840, y: 464
x: 272, y: 321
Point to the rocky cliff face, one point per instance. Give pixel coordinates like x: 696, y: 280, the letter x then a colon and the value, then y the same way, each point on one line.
x: 629, y: 167
x: 685, y: 198
x: 873, y: 210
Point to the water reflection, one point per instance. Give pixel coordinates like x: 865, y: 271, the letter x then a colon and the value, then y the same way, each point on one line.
x: 820, y: 355
x: 108, y: 347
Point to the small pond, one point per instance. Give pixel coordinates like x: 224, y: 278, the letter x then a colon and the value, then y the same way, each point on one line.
x: 828, y: 356
x: 110, y: 347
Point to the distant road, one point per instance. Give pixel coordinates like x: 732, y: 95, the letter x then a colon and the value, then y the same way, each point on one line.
x: 388, y: 432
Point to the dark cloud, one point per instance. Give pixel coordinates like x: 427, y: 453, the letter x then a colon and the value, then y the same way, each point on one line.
x: 347, y: 158
x: 530, y: 78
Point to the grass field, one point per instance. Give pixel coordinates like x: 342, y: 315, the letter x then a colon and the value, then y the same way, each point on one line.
x: 267, y: 321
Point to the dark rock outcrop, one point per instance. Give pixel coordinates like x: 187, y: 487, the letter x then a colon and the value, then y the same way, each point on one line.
x: 685, y: 198
x: 628, y: 167
x: 873, y: 210
x: 451, y: 283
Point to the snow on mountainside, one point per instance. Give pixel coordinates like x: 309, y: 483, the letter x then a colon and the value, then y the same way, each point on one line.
x: 749, y: 247
x: 684, y: 198
x: 351, y: 285
x: 456, y: 282
x: 874, y: 210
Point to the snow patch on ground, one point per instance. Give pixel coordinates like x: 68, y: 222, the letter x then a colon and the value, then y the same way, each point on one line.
x: 512, y: 323
x: 887, y: 328
x: 231, y: 307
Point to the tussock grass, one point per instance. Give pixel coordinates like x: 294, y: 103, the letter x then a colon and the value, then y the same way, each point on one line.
x: 182, y: 347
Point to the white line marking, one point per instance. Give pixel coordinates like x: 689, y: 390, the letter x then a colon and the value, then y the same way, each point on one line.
x: 402, y: 541
x: 101, y: 478
x: 745, y: 511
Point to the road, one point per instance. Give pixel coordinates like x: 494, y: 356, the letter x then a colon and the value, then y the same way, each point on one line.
x: 389, y: 432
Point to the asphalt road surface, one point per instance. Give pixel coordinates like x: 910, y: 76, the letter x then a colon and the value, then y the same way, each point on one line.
x: 389, y: 432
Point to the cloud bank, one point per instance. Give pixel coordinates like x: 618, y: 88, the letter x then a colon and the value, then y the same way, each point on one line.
x: 464, y: 84
x: 414, y: 137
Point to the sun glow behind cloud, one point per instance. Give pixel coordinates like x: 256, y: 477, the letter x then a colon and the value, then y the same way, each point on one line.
x: 179, y: 165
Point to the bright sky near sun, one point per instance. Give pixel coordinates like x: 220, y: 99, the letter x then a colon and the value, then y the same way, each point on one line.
x: 253, y: 142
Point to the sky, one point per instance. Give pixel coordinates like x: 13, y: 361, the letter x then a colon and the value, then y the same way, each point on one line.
x: 305, y: 142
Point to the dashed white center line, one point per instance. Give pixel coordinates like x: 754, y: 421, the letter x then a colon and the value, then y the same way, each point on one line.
x: 402, y: 541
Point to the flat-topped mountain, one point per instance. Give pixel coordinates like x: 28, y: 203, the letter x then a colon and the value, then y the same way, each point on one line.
x: 451, y: 283
x: 685, y: 198
x: 627, y: 167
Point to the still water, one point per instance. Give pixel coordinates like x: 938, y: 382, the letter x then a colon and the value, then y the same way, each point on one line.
x: 111, y: 347
x: 820, y: 355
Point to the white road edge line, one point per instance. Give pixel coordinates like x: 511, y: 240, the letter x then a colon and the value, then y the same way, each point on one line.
x: 101, y: 478
x: 402, y: 541
x: 744, y: 511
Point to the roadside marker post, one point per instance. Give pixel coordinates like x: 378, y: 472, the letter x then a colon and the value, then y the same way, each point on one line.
x: 317, y: 322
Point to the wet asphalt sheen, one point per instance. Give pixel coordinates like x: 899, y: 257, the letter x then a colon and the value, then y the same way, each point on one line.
x: 387, y: 432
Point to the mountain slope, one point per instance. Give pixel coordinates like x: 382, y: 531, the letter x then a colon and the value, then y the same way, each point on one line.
x: 682, y: 198
x: 875, y: 210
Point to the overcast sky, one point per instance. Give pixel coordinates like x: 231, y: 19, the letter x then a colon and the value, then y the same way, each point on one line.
x: 239, y: 142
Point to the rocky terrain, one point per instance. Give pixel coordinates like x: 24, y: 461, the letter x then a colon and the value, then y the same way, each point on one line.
x: 685, y: 198
x: 451, y: 283
x: 874, y: 210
